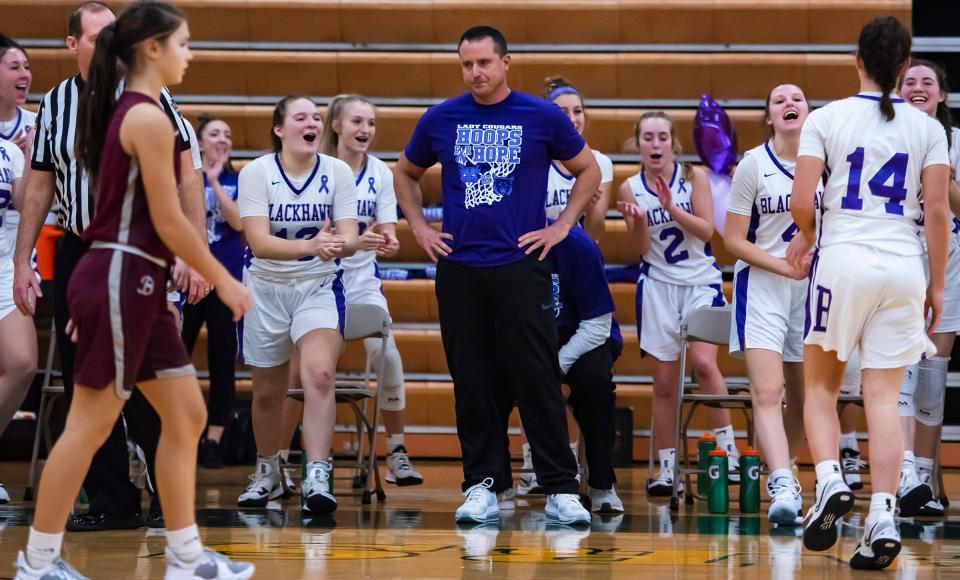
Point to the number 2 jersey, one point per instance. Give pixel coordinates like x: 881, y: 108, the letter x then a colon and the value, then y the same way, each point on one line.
x: 297, y: 208
x: 675, y: 256
x: 873, y: 169
x: 761, y: 189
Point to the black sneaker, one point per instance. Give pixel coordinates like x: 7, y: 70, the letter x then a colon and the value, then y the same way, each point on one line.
x: 209, y: 456
x: 93, y: 520
x: 155, y: 519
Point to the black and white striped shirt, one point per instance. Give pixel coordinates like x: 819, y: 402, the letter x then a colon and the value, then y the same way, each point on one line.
x: 53, y: 150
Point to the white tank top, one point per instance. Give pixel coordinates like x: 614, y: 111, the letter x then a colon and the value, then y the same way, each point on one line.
x: 675, y: 255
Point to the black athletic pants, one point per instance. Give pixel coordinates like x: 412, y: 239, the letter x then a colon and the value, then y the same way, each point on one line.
x: 500, y: 339
x: 221, y: 352
x: 593, y: 401
x: 107, y: 484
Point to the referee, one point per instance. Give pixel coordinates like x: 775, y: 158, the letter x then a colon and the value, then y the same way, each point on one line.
x: 495, y: 299
x: 114, y: 500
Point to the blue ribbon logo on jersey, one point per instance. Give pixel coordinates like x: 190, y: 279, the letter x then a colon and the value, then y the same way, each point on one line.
x: 3, y: 153
x: 323, y: 184
x: 370, y: 187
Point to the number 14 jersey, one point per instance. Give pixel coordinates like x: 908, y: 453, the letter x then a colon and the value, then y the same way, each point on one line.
x: 873, y: 167
x: 675, y: 256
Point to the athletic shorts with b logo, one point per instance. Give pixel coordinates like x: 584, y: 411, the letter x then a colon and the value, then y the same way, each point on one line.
x: 126, y: 333
x: 860, y: 296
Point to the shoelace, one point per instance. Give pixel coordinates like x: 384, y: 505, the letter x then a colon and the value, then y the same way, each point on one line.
x: 778, y: 488
x: 257, y: 477
x: 567, y: 498
x: 402, y: 461
x: 475, y: 492
x: 854, y: 463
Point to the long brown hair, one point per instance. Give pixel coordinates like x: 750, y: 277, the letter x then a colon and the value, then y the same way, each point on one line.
x: 117, y: 46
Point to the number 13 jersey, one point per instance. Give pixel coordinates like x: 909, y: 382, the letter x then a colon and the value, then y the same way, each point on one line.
x: 675, y: 256
x: 296, y: 208
x: 873, y: 168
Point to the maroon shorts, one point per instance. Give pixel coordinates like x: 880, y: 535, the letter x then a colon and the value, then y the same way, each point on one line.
x: 126, y: 334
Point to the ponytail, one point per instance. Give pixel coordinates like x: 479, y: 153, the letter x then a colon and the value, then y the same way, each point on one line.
x: 884, y: 47
x: 97, y: 102
x: 113, y: 57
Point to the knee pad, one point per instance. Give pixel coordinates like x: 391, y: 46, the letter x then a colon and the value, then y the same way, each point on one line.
x: 931, y: 390
x: 908, y: 388
x: 394, y: 398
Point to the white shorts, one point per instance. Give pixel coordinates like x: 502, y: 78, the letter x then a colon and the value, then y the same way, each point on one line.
x: 662, y: 306
x: 862, y: 297
x: 950, y: 319
x: 284, y: 310
x: 363, y: 286
x: 768, y: 312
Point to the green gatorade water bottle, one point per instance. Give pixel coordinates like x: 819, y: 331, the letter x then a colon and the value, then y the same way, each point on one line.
x: 706, y: 444
x: 718, y: 498
x: 750, y: 481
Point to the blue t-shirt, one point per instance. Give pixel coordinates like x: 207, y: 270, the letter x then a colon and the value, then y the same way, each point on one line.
x: 495, y: 160
x: 580, y: 290
x: 226, y: 243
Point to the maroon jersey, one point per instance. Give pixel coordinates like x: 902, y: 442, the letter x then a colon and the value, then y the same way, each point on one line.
x: 122, y: 215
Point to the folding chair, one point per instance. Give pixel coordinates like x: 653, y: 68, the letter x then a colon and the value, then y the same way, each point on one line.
x: 49, y: 393
x: 710, y: 325
x: 363, y: 321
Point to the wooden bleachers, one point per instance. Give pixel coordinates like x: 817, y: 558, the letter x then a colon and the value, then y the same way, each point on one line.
x: 436, y: 74
x: 608, y: 130
x: 530, y: 21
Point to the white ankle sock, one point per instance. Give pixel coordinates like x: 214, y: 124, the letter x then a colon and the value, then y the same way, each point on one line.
x: 782, y: 473
x: 284, y: 455
x: 909, y: 462
x: 394, y: 441
x: 925, y: 464
x: 881, y: 505
x: 185, y: 543
x: 43, y: 549
x: 828, y: 468
x: 725, y: 439
x: 849, y: 441
x: 667, y: 455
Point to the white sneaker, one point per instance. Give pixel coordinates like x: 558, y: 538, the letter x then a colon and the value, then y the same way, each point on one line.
x: 265, y: 484
x: 399, y: 469
x: 566, y: 508
x: 932, y: 508
x: 59, y: 570
x: 833, y: 500
x: 853, y: 465
x: 528, y: 481
x: 605, y: 501
x: 878, y: 547
x: 481, y: 505
x: 786, y: 505
x: 912, y: 493
x: 209, y: 566
x: 4, y: 496
x: 662, y: 485
x: 315, y: 493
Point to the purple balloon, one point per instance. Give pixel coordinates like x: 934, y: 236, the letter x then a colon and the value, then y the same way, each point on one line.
x: 714, y: 136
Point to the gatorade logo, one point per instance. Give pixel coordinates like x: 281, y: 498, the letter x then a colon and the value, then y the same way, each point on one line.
x: 714, y: 472
x: 754, y: 472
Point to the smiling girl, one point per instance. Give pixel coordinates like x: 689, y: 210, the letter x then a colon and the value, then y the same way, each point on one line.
x: 289, y: 200
x: 769, y: 295
x: 669, y: 213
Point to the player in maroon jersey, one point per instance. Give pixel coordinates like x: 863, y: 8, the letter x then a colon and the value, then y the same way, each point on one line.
x: 124, y: 332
